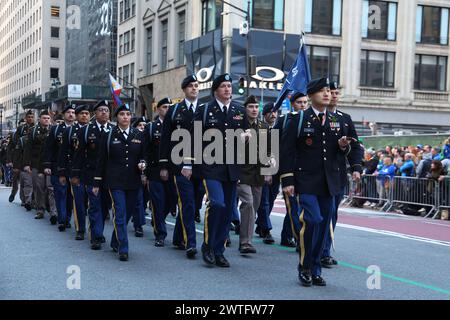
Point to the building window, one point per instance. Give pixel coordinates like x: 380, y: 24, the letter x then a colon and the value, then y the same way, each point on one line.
x: 325, y: 62
x: 267, y: 14
x: 432, y: 25
x: 164, y: 42
x: 149, y: 49
x: 181, y: 36
x: 121, y: 45
x: 54, y: 73
x: 126, y: 42
x: 127, y: 10
x: 430, y: 73
x: 379, y: 20
x: 121, y: 9
x: 54, y: 53
x: 133, y: 7
x: 377, y: 69
x: 323, y: 17
x: 55, y: 32
x: 133, y: 38
x: 126, y: 74
x: 54, y: 10
x: 132, y: 74
x: 211, y: 15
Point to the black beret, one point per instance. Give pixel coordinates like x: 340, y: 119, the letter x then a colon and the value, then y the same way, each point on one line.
x: 251, y: 100
x: 123, y: 107
x: 136, y: 121
x: 268, y: 108
x: 188, y: 80
x: 44, y: 113
x: 68, y: 107
x: 163, y: 102
x: 219, y: 80
x: 316, y: 85
x: 297, y: 95
x: 29, y: 112
x: 101, y: 103
x: 82, y: 108
x: 334, y: 85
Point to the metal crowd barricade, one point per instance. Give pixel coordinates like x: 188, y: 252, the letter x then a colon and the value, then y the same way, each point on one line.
x: 444, y: 195
x: 414, y: 191
x: 370, y: 188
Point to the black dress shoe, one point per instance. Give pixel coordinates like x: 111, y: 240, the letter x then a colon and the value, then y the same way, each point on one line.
x: 139, y: 233
x: 159, y: 243
x: 237, y: 227
x: 79, y: 236
x: 258, y: 232
x: 39, y: 216
x: 208, y: 255
x: 222, y: 262
x: 68, y: 225
x: 53, y: 220
x: 334, y: 261
x: 123, y: 257
x: 318, y: 281
x: 115, y: 249
x: 247, y: 248
x: 290, y: 243
x: 103, y: 239
x: 197, y: 217
x: 11, y: 198
x: 179, y: 245
x: 28, y: 206
x: 191, y: 252
x: 96, y: 245
x: 326, y: 262
x: 305, y: 278
x: 62, y: 227
x: 268, y: 239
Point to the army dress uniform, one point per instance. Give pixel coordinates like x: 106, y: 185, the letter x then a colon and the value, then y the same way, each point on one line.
x: 63, y: 198
x: 121, y: 151
x: 190, y: 192
x: 311, y: 138
x: 158, y: 189
x: 219, y: 179
x: 84, y: 167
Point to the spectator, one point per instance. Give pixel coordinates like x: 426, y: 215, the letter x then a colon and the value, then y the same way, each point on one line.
x: 436, y: 154
x: 384, y: 178
x: 437, y: 171
x: 424, y: 166
x: 407, y: 169
x: 371, y: 162
x: 447, y: 149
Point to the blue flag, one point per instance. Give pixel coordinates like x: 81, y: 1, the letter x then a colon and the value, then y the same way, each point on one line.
x: 298, y: 78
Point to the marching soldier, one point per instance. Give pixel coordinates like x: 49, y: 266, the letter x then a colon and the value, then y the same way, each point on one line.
x: 314, y: 139
x: 158, y: 188
x: 220, y: 178
x: 139, y: 213
x: 354, y: 159
x: 83, y: 168
x: 121, y: 163
x: 52, y: 150
x: 189, y: 188
x: 15, y: 160
x: 70, y: 144
x: 33, y: 162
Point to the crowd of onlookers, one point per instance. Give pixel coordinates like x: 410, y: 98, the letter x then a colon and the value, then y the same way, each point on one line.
x: 421, y: 161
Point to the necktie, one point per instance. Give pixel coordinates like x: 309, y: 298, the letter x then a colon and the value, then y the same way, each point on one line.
x: 321, y: 118
x: 125, y: 134
x: 191, y: 108
x: 225, y: 110
x: 102, y: 128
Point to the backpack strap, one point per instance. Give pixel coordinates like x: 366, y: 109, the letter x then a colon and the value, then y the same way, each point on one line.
x: 175, y: 111
x: 300, y: 124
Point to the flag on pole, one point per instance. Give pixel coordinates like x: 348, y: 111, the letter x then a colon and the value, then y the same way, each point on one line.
x: 298, y: 78
x: 116, y: 90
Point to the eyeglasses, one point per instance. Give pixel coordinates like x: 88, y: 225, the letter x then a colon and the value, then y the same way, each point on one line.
x: 103, y: 110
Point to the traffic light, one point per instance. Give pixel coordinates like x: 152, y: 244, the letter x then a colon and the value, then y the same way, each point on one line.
x: 241, y: 90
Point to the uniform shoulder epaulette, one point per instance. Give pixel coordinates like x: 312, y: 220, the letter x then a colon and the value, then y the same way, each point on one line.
x: 293, y: 113
x: 339, y: 113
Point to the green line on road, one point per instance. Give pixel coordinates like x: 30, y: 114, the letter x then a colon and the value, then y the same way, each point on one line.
x: 403, y: 280
x: 347, y: 265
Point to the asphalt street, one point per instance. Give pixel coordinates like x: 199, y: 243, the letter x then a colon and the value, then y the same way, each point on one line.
x: 35, y: 259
